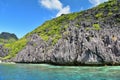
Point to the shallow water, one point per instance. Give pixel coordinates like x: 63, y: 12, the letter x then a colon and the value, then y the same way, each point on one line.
x: 49, y: 72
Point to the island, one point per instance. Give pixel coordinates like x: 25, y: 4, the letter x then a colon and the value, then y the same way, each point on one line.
x: 90, y: 37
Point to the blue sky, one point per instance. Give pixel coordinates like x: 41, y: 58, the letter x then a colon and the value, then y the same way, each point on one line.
x: 23, y: 16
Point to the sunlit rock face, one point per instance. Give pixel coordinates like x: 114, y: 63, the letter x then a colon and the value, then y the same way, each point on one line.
x: 76, y: 47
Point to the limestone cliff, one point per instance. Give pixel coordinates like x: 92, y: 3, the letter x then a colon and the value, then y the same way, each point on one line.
x: 76, y: 47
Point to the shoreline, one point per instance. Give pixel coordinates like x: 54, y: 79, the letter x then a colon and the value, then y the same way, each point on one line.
x: 83, y: 65
x: 1, y: 62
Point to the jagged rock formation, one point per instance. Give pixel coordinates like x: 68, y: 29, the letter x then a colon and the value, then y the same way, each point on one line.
x: 92, y: 38
x: 33, y: 52
x: 76, y: 47
x: 3, y: 51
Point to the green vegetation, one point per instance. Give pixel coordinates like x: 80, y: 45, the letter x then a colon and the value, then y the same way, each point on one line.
x: 15, y: 47
x: 106, y: 9
x: 118, y: 19
x: 72, y: 16
x: 96, y: 27
x: 99, y: 15
x: 53, y: 28
x: 5, y: 41
x: 110, y: 13
x: 87, y: 29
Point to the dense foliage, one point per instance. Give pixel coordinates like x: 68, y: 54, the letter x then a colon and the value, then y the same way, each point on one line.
x: 15, y: 47
x: 6, y: 37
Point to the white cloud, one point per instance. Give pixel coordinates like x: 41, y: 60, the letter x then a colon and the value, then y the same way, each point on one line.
x: 97, y: 2
x: 55, y: 5
x: 64, y: 10
x: 51, y: 4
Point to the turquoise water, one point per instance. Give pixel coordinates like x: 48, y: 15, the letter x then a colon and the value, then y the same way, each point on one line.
x: 48, y: 72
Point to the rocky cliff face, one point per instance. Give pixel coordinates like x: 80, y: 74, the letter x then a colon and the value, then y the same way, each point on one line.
x: 3, y: 51
x: 76, y: 47
x: 92, y: 38
x: 34, y: 50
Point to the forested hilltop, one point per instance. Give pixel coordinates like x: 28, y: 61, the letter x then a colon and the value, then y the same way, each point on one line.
x: 6, y: 37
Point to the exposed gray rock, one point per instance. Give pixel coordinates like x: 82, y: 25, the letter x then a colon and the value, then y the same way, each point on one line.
x: 76, y: 47
x: 3, y: 51
x: 33, y: 52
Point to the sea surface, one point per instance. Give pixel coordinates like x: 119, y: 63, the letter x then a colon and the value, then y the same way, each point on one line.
x: 49, y: 72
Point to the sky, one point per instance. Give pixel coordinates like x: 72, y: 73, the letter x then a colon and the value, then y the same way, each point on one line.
x: 23, y: 16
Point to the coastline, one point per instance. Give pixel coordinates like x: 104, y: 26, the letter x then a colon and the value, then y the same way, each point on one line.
x: 1, y: 62
x: 53, y: 64
x: 84, y: 65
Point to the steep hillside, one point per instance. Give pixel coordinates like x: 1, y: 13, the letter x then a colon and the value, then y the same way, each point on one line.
x: 88, y: 37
